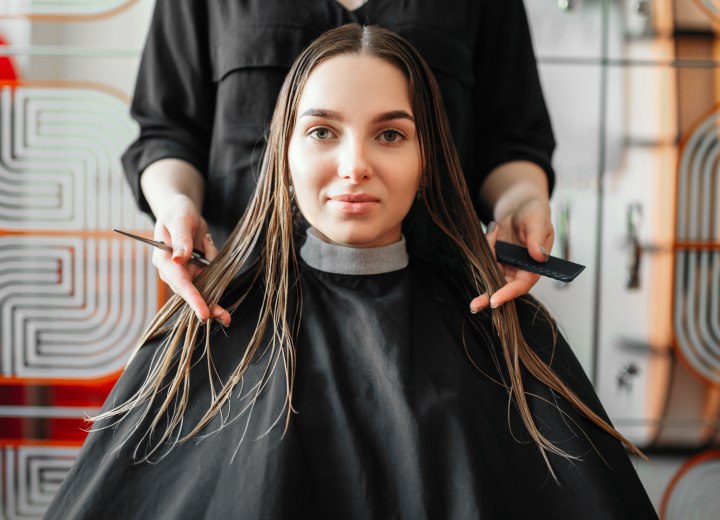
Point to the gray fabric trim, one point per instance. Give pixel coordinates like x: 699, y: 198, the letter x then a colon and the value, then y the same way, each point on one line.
x: 339, y: 259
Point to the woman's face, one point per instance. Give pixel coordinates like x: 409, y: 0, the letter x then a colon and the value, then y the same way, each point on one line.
x: 354, y: 155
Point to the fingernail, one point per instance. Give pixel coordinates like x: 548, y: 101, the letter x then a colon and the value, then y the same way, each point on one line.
x: 177, y: 254
x: 490, y: 227
x: 494, y: 305
x: 473, y: 311
x: 223, y: 318
x: 209, y: 238
x: 542, y: 250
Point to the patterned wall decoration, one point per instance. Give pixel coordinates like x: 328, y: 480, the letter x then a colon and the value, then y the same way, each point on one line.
x: 74, y: 296
x: 62, y: 8
x: 71, y: 307
x: 692, y: 492
x: 633, y: 91
x: 30, y: 476
x: 696, y: 312
x: 59, y: 166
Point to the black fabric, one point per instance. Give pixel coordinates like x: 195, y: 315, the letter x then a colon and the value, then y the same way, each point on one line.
x: 393, y: 421
x: 212, y: 69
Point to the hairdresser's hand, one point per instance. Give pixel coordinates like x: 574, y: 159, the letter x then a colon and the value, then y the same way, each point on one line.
x: 522, y: 213
x: 181, y: 225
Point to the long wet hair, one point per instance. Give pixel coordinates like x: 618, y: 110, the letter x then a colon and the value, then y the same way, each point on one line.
x: 263, y: 246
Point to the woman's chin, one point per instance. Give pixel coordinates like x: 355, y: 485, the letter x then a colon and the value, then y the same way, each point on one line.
x: 359, y: 238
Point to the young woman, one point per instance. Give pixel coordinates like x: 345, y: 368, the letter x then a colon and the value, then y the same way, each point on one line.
x: 210, y: 76
x: 354, y: 382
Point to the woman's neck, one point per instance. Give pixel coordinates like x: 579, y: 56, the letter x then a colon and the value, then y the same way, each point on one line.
x: 339, y: 259
x: 351, y: 5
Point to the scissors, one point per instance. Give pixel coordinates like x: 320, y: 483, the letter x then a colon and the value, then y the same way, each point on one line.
x: 196, y: 256
x: 510, y: 254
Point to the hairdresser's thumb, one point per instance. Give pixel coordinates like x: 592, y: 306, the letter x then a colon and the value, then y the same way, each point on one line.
x: 209, y: 247
x: 182, y: 247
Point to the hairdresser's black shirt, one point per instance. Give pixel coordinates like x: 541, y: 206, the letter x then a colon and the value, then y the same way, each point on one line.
x: 212, y: 69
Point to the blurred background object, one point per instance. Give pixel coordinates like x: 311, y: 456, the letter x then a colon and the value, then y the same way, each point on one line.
x: 633, y: 89
x: 73, y: 298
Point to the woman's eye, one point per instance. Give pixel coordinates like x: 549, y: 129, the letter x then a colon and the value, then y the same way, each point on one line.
x: 321, y: 134
x: 392, y: 136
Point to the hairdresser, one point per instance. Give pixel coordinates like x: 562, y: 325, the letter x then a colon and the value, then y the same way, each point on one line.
x: 211, y: 71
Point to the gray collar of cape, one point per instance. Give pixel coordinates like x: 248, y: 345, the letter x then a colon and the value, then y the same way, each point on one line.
x: 339, y: 259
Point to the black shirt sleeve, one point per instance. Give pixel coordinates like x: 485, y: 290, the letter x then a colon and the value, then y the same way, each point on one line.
x: 513, y: 122
x: 174, y: 100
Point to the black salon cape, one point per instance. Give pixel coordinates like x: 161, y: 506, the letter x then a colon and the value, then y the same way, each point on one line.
x: 211, y: 71
x: 393, y: 421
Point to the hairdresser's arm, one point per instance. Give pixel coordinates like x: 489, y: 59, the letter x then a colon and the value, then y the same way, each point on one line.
x: 517, y: 192
x: 174, y: 190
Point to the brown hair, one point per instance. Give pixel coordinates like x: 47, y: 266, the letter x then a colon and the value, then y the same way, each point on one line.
x: 446, y: 201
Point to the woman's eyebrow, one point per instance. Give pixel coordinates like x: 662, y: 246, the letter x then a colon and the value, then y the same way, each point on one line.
x: 322, y: 113
x: 380, y: 118
x: 393, y: 114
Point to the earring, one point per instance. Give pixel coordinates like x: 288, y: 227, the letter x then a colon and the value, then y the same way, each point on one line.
x: 291, y: 190
x: 418, y: 195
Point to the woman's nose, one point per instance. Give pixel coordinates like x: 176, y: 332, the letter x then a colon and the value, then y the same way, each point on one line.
x: 354, y: 164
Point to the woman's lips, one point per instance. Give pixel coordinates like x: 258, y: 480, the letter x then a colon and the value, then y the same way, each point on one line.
x: 354, y: 204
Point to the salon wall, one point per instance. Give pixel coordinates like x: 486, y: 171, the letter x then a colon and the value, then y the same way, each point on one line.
x: 632, y: 87
x: 73, y: 297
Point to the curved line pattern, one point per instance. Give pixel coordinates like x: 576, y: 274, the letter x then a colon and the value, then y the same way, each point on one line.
x: 63, y: 7
x: 696, y: 319
x: 695, y: 495
x: 72, y: 307
x: 31, y: 476
x: 58, y: 160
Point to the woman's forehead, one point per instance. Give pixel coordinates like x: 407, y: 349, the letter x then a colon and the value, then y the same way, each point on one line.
x: 353, y: 81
